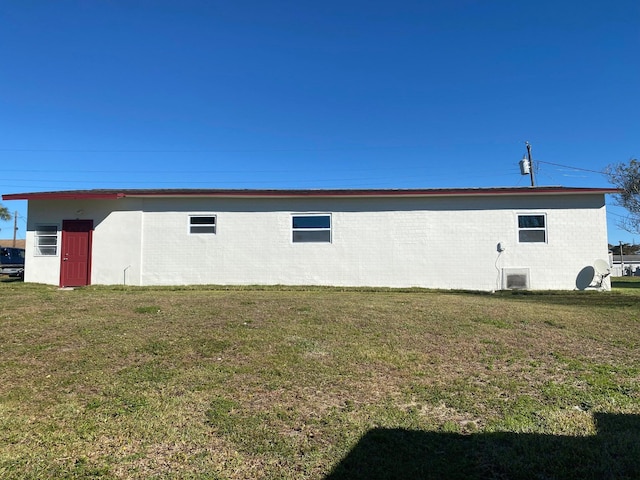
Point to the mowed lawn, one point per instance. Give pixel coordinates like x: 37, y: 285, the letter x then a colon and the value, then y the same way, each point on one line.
x: 318, y: 383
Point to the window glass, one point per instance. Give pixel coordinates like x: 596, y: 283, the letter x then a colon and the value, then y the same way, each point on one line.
x: 531, y: 221
x: 527, y: 236
x: 311, y: 228
x: 46, y: 240
x: 313, y: 221
x: 202, y: 224
x: 311, y: 236
x: 532, y: 229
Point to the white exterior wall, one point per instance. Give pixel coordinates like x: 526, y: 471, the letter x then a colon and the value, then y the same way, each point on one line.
x: 435, y: 242
x: 116, y: 239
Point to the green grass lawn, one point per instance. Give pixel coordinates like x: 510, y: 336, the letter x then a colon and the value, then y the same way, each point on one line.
x: 318, y: 383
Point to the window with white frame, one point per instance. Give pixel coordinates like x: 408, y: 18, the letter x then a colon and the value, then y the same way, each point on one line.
x: 311, y: 228
x: 202, y: 224
x: 46, y: 240
x: 532, y: 228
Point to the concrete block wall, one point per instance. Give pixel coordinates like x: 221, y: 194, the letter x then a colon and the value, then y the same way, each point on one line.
x: 435, y: 242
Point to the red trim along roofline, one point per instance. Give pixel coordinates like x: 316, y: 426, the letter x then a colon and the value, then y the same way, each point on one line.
x: 423, y: 192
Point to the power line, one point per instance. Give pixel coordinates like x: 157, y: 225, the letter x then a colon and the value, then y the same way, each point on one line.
x: 572, y: 168
x: 617, y: 214
x: 220, y: 150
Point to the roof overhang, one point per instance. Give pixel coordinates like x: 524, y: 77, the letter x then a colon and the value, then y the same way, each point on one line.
x: 230, y: 193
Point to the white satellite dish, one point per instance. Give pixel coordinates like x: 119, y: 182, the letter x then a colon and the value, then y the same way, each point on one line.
x: 602, y: 267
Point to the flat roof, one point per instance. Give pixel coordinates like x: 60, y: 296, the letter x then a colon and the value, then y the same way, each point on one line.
x: 114, y: 194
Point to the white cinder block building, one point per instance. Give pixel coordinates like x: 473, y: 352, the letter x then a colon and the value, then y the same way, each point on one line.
x: 527, y: 237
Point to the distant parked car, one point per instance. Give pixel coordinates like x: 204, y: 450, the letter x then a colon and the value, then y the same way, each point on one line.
x: 12, y: 261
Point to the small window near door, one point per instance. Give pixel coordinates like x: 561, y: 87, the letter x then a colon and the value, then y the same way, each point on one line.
x: 46, y: 240
x: 202, y: 224
x: 532, y: 228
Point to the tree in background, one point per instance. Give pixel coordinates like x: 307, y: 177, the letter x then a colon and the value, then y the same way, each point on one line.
x: 626, y: 177
x: 4, y: 213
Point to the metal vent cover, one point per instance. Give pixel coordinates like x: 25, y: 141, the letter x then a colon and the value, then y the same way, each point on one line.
x: 515, y: 279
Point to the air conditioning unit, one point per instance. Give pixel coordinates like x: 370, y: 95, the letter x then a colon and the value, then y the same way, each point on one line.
x: 515, y: 279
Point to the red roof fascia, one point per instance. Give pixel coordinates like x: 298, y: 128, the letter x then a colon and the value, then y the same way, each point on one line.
x: 371, y: 192
x: 63, y: 195
x: 116, y: 194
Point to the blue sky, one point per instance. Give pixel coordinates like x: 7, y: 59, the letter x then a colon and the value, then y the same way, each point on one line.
x: 331, y: 94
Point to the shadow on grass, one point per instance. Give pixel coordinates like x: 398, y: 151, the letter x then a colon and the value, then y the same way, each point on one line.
x: 625, y: 282
x: 613, y: 453
x: 625, y: 292
x: 5, y: 279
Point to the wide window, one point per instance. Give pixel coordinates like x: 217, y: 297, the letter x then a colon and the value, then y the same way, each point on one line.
x: 311, y: 228
x: 532, y: 228
x: 202, y: 224
x: 46, y: 240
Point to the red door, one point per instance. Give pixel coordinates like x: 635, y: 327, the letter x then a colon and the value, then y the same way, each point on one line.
x: 75, y: 263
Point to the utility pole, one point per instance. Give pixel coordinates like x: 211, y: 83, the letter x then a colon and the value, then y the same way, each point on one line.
x: 15, y: 227
x: 533, y: 181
